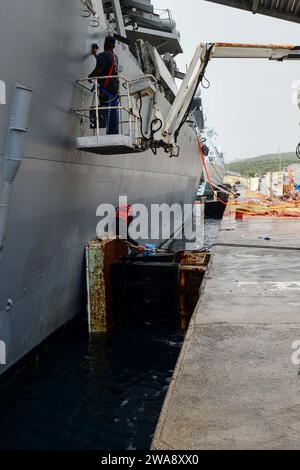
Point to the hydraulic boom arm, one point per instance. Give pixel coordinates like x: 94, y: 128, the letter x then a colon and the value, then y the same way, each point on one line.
x: 180, y: 109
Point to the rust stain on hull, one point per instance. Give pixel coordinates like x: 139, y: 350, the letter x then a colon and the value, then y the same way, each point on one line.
x: 99, y: 257
x: 192, y: 268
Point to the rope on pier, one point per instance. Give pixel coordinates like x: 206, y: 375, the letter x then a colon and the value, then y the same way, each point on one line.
x: 264, y: 207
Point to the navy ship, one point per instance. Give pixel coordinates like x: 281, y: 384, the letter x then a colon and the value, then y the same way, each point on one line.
x: 53, y: 177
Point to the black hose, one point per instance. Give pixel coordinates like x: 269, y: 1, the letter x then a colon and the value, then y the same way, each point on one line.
x: 141, y: 117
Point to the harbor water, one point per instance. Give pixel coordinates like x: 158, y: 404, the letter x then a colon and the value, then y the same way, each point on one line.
x: 104, y: 393
x: 78, y: 394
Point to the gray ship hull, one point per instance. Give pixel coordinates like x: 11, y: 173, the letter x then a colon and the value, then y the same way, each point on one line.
x: 44, y: 45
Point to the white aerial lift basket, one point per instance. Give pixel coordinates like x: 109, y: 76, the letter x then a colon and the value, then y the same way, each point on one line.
x: 97, y: 140
x: 107, y: 144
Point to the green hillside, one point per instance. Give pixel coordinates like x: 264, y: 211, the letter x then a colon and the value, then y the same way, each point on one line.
x: 263, y: 164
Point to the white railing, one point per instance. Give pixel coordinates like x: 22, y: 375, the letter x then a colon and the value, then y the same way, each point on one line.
x: 166, y: 16
x: 129, y: 119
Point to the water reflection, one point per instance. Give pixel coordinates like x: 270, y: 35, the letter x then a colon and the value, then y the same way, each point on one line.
x: 106, y: 393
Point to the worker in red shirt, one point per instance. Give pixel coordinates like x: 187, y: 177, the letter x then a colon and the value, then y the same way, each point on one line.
x: 124, y: 216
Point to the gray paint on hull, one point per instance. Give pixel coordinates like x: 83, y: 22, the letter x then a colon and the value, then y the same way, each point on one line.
x: 45, y: 46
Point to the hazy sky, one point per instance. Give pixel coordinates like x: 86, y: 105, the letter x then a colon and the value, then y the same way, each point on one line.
x: 249, y: 102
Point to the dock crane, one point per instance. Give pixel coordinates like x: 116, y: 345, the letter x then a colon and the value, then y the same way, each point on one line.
x: 163, y: 131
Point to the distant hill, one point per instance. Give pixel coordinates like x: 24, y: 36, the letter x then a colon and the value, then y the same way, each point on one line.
x: 263, y: 164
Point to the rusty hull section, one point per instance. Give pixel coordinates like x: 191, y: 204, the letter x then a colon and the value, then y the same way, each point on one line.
x: 99, y: 257
x: 192, y: 268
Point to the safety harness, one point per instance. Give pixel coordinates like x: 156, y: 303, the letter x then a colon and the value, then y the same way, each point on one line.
x: 104, y: 91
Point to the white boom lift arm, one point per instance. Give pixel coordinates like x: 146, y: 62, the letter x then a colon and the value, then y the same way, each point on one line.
x: 204, y: 53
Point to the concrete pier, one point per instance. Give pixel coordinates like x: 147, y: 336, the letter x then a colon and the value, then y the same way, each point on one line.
x: 235, y: 385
